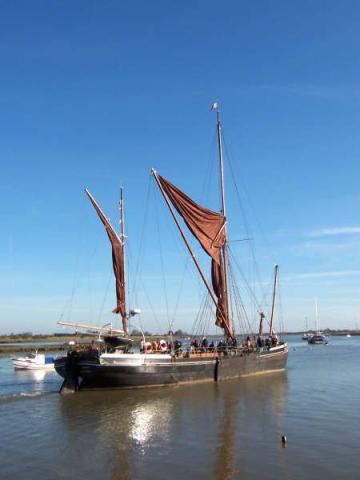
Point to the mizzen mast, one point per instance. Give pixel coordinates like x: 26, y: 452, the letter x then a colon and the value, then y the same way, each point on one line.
x: 118, y: 260
x: 273, y: 299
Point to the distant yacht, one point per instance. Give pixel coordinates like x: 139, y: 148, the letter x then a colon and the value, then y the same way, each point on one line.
x: 318, y: 338
x: 306, y: 334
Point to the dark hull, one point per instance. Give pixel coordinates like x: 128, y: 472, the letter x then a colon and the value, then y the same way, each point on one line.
x: 318, y: 340
x: 85, y: 374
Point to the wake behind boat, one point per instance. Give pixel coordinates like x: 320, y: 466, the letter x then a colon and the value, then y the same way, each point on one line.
x: 168, y: 362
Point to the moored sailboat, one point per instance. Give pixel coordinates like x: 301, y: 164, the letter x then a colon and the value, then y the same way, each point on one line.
x: 318, y: 338
x: 120, y: 367
x: 306, y: 334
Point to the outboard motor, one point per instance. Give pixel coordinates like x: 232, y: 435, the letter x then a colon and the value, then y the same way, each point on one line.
x: 71, y: 380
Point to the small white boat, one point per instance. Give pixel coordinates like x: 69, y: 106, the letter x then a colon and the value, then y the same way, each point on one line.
x: 348, y: 335
x: 34, y: 361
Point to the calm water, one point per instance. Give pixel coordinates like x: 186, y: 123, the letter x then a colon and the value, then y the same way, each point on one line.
x: 214, y: 431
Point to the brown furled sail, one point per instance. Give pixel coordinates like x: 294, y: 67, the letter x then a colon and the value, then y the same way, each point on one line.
x: 210, y: 230
x: 217, y: 280
x: 207, y: 226
x: 118, y: 262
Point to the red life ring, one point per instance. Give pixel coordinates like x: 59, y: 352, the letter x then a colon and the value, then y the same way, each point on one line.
x: 163, y: 345
x: 148, y: 347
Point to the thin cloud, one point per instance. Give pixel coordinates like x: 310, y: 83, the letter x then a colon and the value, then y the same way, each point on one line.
x: 327, y: 232
x: 342, y: 92
x: 331, y: 274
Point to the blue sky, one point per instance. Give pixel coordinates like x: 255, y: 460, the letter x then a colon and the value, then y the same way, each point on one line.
x: 96, y: 93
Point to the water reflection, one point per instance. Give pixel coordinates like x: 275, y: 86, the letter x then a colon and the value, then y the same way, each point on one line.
x: 37, y: 375
x: 246, y: 406
x: 148, y: 420
x: 185, y: 429
x: 30, y: 375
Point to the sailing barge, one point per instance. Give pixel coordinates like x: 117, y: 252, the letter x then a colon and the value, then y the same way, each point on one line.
x: 120, y: 367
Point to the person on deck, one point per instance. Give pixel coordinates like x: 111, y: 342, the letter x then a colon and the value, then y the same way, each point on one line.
x: 204, y: 344
x: 93, y: 349
x: 177, y: 347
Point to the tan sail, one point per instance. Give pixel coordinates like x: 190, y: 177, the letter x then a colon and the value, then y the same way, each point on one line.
x: 209, y: 228
x: 118, y: 262
x: 217, y: 279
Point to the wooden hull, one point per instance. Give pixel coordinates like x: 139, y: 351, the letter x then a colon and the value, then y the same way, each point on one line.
x: 84, y: 374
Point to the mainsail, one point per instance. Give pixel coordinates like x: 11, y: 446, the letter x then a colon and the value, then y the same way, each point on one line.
x: 209, y: 228
x: 118, y: 262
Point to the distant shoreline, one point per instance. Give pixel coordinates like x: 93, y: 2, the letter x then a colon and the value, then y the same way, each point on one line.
x: 13, y: 338
x: 332, y: 333
x: 60, y: 342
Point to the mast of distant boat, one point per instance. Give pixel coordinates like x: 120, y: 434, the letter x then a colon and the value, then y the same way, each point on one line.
x: 273, y: 299
x: 316, y: 316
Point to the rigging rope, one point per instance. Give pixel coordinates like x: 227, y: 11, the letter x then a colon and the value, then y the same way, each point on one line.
x: 243, y: 213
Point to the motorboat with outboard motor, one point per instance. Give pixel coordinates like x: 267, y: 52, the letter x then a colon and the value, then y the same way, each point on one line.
x: 34, y: 361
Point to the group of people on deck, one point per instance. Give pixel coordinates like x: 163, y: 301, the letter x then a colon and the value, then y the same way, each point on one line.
x: 261, y: 342
x: 201, y: 347
x: 205, y: 347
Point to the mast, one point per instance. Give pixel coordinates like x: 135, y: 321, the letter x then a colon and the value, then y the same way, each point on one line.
x: 122, y: 238
x: 224, y: 250
x: 316, y: 316
x: 117, y: 245
x: 273, y: 299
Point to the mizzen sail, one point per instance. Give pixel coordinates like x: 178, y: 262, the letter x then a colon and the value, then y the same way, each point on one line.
x: 118, y: 261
